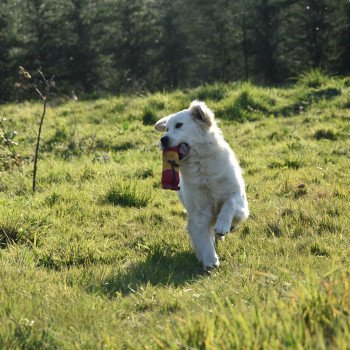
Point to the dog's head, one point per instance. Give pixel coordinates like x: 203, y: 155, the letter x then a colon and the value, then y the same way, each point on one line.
x: 188, y: 126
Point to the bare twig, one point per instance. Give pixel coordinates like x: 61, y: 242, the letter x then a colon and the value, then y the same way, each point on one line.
x: 37, y: 144
x: 48, y: 85
x: 38, y: 91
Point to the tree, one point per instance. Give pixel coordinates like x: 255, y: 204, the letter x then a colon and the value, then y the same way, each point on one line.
x: 316, y: 27
x: 343, y: 44
x: 121, y: 45
x: 134, y: 45
x: 6, y: 43
x: 174, y: 45
x: 266, y: 26
x: 82, y: 51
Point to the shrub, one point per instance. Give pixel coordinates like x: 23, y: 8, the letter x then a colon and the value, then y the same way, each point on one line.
x: 9, y: 158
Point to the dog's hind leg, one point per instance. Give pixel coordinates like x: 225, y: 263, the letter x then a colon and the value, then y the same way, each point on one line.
x: 234, y: 210
x: 203, y: 239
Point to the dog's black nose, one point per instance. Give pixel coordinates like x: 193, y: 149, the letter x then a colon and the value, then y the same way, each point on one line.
x: 165, y: 141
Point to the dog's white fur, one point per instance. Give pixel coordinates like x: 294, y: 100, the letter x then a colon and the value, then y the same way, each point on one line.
x: 211, y: 186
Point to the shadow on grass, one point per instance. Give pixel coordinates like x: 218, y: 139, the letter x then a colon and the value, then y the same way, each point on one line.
x: 251, y: 106
x: 10, y: 234
x: 307, y: 100
x: 162, y: 267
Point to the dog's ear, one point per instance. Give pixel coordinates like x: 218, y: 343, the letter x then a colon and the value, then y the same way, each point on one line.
x: 202, y: 113
x: 161, y: 124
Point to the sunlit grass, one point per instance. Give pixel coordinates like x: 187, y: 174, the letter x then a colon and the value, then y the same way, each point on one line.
x: 99, y: 257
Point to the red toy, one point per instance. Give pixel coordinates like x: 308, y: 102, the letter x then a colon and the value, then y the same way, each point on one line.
x: 171, y: 166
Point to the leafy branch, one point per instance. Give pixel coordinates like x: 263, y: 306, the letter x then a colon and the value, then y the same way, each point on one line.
x: 8, y: 158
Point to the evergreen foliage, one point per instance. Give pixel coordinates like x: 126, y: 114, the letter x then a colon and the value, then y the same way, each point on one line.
x: 113, y: 46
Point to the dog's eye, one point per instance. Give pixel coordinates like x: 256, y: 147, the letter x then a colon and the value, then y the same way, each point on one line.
x: 178, y: 125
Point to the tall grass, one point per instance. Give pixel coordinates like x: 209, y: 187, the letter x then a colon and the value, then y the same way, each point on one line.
x: 314, y: 78
x: 127, y: 195
x: 314, y: 314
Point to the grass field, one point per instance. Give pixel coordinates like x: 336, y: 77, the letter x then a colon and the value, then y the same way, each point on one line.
x: 99, y: 256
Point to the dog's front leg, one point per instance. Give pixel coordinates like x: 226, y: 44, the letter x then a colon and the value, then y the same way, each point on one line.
x: 234, y: 209
x: 203, y: 239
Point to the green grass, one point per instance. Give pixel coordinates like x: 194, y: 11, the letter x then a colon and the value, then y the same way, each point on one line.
x: 99, y: 256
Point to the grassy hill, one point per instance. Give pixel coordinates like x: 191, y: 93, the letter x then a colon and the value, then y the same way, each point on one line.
x: 99, y: 256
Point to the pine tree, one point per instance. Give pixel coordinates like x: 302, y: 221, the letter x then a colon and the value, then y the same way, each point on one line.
x: 134, y: 45
x: 5, y: 61
x: 174, y: 45
x: 343, y: 62
x: 265, y: 27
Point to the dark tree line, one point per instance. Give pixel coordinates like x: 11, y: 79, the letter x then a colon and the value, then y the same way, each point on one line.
x: 112, y: 46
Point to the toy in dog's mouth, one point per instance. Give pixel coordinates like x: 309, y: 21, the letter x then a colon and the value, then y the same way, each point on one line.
x: 171, y: 165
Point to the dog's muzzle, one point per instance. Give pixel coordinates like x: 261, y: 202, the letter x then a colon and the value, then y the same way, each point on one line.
x: 165, y: 141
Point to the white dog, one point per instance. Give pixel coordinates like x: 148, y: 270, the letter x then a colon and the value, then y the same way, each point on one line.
x: 211, y: 184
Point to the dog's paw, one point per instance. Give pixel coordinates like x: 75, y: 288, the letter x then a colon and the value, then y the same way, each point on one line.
x: 219, y: 238
x: 211, y: 262
x: 222, y: 227
x: 210, y: 267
